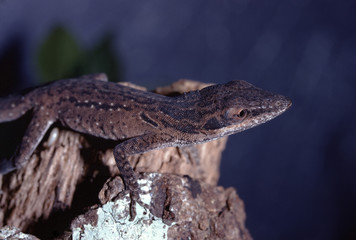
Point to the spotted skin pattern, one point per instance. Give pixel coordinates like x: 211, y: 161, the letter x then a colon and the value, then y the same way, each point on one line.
x: 141, y: 121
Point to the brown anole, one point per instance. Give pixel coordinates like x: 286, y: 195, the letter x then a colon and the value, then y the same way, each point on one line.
x: 140, y: 121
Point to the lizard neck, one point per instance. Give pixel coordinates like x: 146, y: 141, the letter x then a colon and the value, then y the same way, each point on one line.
x: 178, y: 113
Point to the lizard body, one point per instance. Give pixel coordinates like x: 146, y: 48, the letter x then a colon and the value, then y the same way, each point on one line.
x: 141, y: 121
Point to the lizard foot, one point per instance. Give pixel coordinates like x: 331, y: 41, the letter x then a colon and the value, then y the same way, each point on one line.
x: 132, y: 210
x: 133, y: 202
x: 133, y: 205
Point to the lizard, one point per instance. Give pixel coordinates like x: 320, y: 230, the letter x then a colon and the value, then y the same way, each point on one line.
x: 138, y: 120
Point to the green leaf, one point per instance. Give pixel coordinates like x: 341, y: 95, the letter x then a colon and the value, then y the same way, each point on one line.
x: 58, y: 56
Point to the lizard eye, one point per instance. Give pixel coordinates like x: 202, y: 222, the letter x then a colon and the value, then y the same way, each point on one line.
x: 242, y: 113
x: 237, y: 113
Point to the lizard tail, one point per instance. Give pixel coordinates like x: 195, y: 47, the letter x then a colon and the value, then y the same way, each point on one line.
x: 13, y: 107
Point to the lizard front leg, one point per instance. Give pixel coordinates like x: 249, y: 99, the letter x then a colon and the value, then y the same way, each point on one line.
x: 130, y: 147
x: 33, y: 136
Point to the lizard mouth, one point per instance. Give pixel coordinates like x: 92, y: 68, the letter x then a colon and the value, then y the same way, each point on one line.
x: 284, y: 104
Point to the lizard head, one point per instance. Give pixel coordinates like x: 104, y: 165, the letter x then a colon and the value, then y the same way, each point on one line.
x: 238, y: 105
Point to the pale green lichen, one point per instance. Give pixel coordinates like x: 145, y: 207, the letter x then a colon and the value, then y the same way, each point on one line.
x: 113, y: 224
x: 8, y: 232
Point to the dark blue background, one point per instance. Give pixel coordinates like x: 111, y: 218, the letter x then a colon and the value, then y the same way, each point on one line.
x: 295, y: 173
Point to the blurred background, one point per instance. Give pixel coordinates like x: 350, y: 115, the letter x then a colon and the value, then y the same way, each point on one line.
x: 295, y: 173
